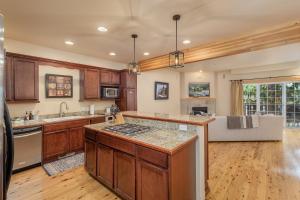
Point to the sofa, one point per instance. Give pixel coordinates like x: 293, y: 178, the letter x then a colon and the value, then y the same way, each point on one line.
x: 270, y: 129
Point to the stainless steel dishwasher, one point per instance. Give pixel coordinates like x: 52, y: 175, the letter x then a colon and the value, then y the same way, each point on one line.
x: 28, y: 148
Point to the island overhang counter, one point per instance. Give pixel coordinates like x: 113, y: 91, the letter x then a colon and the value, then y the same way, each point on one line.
x: 167, y: 161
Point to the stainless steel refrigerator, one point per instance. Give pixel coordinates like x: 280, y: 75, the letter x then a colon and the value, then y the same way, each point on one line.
x: 6, y: 134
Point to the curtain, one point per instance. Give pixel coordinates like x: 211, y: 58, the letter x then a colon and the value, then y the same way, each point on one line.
x: 236, y: 98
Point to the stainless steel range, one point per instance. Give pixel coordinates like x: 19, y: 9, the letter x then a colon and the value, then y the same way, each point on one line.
x: 128, y: 129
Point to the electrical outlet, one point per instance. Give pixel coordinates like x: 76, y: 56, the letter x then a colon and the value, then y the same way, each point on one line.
x: 182, y: 127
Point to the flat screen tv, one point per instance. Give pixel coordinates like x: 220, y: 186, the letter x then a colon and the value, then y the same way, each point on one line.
x: 199, y: 90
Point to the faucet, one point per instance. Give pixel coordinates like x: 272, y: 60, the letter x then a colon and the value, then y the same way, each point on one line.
x: 61, y: 113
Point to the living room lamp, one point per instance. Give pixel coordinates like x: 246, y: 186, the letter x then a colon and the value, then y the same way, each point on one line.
x: 176, y: 58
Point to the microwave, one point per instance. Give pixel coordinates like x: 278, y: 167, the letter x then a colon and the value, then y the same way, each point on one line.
x: 110, y: 92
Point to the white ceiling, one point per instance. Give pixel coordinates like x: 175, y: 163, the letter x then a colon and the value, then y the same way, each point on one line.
x: 50, y: 23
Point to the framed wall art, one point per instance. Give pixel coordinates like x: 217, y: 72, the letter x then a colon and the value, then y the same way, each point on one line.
x: 161, y: 91
x: 59, y: 86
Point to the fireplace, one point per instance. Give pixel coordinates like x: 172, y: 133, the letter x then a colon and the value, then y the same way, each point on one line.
x: 199, y: 110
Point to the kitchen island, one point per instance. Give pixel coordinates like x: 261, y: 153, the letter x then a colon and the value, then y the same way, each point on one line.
x: 150, y: 156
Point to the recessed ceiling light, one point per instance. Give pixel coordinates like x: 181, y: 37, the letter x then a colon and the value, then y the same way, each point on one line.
x: 200, y: 71
x: 112, y: 54
x: 2, y: 38
x: 68, y: 42
x: 102, y: 29
x: 146, y: 54
x: 186, y: 42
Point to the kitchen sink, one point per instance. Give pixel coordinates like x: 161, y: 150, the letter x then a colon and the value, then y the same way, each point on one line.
x: 58, y: 119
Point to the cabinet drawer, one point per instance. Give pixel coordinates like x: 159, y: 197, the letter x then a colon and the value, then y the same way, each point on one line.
x: 90, y: 134
x: 152, y: 156
x: 97, y: 120
x: 65, y: 125
x: 116, y: 143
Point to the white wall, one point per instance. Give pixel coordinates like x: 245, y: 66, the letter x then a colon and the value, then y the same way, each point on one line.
x: 45, y: 52
x: 145, y: 91
x: 189, y: 77
x: 51, y: 105
x: 223, y: 83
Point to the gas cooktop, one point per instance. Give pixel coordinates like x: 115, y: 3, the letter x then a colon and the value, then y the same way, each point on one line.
x: 128, y: 129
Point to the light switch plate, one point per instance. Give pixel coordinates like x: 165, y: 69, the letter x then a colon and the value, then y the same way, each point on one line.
x: 182, y: 127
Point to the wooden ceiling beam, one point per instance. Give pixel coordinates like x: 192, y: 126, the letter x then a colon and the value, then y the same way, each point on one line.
x: 256, y: 41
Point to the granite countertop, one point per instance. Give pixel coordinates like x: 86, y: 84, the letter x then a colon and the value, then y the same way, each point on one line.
x: 165, y: 140
x: 40, y: 122
x: 186, y: 119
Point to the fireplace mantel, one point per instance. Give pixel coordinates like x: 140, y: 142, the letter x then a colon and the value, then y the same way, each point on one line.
x: 188, y: 103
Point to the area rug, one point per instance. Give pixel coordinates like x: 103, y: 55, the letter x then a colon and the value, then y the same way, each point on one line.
x: 56, y: 167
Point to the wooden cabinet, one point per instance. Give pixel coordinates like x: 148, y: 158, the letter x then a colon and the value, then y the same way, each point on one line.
x: 108, y: 77
x: 128, y: 80
x: 62, y: 138
x: 128, y: 95
x: 76, y: 138
x: 128, y: 99
x: 90, y: 156
x: 97, y: 120
x: 136, y: 171
x: 124, y: 175
x: 105, y: 161
x: 90, y: 84
x: 55, y: 143
x: 22, y: 79
x: 152, y: 182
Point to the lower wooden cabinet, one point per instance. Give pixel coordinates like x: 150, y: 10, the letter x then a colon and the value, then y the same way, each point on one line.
x: 55, y: 143
x: 76, y: 138
x: 152, y: 182
x: 90, y: 156
x: 124, y: 175
x: 141, y: 173
x: 105, y: 162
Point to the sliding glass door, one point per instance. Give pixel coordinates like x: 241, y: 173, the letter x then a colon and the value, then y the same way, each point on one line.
x: 275, y: 99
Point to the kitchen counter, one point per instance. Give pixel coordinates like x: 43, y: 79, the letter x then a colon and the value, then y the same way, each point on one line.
x: 41, y: 122
x: 185, y: 119
x: 164, y: 140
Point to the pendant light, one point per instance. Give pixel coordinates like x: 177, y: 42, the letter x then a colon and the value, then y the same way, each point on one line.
x: 133, y: 67
x: 176, y: 58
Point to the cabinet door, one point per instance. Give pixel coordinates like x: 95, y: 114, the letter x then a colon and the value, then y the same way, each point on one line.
x: 90, y: 156
x: 97, y: 120
x: 26, y: 79
x: 115, y: 78
x: 105, y: 158
x: 105, y: 77
x: 128, y: 80
x: 152, y: 182
x: 9, y: 78
x: 55, y: 143
x: 91, y: 84
x: 131, y: 99
x: 124, y: 175
x: 76, y: 139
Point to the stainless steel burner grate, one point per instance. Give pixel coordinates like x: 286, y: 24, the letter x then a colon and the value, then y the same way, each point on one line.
x: 128, y: 129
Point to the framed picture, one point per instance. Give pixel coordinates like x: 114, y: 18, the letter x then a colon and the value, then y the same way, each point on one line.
x: 161, y: 91
x: 199, y: 90
x: 58, y: 86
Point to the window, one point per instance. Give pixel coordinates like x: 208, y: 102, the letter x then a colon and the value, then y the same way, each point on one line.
x: 274, y: 98
x: 249, y: 99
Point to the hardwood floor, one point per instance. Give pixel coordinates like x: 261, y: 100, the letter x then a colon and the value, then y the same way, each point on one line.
x: 239, y: 170
x: 256, y: 170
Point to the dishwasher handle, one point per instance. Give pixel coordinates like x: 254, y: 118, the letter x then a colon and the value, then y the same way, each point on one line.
x: 27, y: 134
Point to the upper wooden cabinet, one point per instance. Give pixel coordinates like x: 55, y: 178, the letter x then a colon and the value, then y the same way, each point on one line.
x: 90, y: 84
x: 22, y: 79
x: 108, y: 77
x: 128, y: 80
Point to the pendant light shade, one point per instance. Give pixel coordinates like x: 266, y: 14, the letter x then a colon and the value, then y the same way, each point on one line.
x: 133, y: 67
x: 176, y: 58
